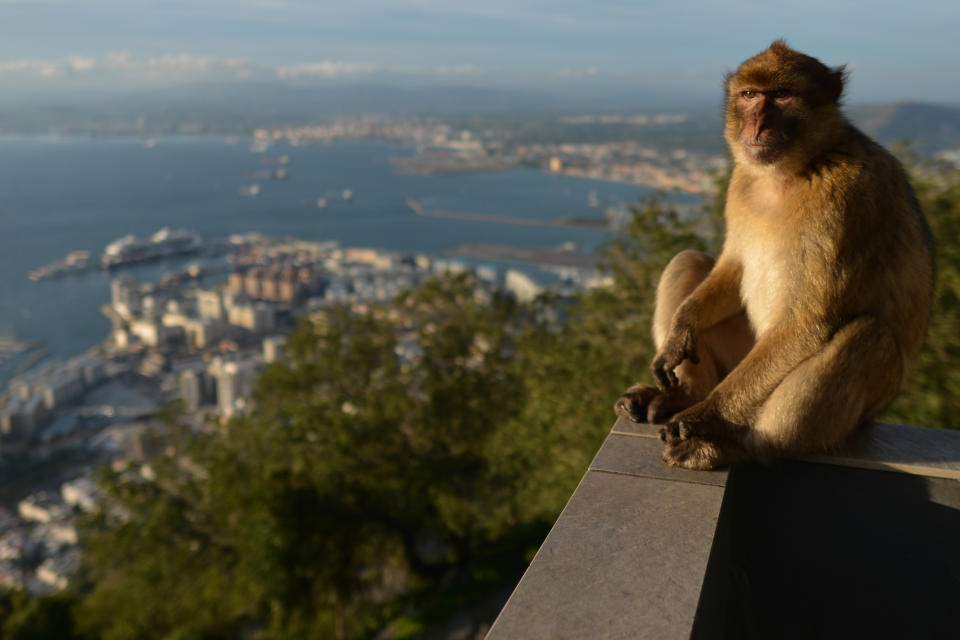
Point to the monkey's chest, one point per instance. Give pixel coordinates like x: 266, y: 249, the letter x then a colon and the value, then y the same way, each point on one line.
x: 765, y: 291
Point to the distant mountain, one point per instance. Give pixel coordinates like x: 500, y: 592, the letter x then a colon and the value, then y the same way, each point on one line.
x: 931, y: 127
x: 289, y: 101
x: 238, y: 108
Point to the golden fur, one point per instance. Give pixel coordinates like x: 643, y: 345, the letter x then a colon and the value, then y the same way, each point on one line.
x: 809, y: 319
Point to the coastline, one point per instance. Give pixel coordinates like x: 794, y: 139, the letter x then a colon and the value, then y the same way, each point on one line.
x: 111, y: 187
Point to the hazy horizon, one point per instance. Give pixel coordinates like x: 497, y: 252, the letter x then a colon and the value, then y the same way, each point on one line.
x: 675, y: 52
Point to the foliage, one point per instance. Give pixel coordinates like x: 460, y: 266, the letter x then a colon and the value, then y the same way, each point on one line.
x: 410, y: 454
x: 44, y: 617
x: 573, y: 373
x: 360, y: 476
x: 932, y: 395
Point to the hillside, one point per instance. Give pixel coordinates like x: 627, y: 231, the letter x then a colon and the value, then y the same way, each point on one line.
x: 933, y: 127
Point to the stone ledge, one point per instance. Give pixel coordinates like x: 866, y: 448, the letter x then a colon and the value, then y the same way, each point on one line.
x: 882, y: 446
x: 645, y: 551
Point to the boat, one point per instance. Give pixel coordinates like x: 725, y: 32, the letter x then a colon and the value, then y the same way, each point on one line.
x: 75, y: 262
x: 279, y: 160
x: 163, y: 243
x: 347, y: 194
x: 250, y: 191
x: 321, y: 203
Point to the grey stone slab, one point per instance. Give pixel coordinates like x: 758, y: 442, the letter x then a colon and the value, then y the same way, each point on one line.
x: 643, y: 429
x: 626, y: 559
x: 896, y: 447
x: 641, y: 456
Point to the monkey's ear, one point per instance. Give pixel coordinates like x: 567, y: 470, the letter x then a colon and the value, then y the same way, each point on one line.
x: 835, y: 81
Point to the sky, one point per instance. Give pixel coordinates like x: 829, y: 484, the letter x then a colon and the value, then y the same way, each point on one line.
x: 894, y: 50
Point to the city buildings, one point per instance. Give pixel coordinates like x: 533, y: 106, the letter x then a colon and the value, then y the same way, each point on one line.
x: 202, y: 343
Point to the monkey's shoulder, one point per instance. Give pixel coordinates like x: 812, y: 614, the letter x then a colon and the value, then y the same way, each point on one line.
x: 857, y: 166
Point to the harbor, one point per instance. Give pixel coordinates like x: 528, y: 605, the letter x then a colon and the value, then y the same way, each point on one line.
x: 138, y: 198
x: 10, y: 347
x: 124, y: 251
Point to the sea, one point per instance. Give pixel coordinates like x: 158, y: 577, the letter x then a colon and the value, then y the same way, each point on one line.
x: 59, y: 195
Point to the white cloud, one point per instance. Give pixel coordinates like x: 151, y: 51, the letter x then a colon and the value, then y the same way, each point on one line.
x: 29, y: 67
x: 185, y: 67
x: 119, y: 60
x: 173, y: 67
x: 325, y: 69
x: 138, y: 70
x: 79, y: 64
x: 122, y: 65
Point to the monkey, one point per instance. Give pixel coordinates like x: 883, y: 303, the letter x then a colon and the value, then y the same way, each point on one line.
x: 807, y: 322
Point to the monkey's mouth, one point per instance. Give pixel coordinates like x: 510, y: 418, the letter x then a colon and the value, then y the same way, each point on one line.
x: 762, y: 150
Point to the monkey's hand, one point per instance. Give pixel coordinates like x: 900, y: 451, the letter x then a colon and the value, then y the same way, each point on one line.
x: 680, y: 345
x: 647, y: 403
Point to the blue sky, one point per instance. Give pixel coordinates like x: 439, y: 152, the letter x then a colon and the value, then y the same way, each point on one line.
x: 895, y: 50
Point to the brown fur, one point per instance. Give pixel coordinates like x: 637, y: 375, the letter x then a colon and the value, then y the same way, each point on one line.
x: 815, y: 309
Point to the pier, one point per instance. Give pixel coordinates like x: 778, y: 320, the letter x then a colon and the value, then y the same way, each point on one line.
x: 599, y: 224
x: 509, y: 253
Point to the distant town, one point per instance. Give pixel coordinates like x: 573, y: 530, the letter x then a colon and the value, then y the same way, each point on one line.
x: 443, y: 148
x: 191, y: 338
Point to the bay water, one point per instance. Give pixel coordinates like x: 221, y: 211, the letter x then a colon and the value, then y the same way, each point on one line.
x: 61, y: 195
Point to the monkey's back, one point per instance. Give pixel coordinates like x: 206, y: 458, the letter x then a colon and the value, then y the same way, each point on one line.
x: 888, y: 245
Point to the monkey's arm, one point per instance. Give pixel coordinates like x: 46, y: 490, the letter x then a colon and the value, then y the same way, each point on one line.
x: 714, y: 300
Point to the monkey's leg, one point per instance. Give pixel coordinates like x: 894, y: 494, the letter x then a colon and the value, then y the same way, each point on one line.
x: 815, y: 407
x: 719, y: 347
x: 827, y: 397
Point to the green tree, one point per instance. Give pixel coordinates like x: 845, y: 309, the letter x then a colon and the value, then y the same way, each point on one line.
x: 932, y: 395
x: 360, y: 475
x: 45, y: 617
x: 573, y: 373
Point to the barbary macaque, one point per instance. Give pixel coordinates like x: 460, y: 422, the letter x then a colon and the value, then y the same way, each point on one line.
x: 807, y: 323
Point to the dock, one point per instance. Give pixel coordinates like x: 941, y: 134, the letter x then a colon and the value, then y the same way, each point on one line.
x: 510, y: 253
x: 599, y: 224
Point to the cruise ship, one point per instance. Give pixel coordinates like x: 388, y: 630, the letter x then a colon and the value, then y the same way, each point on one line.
x: 163, y: 243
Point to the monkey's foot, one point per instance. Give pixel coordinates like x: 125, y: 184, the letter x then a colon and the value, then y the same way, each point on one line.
x: 693, y: 453
x: 634, y: 402
x: 703, y: 421
x: 647, y: 403
x: 684, y: 428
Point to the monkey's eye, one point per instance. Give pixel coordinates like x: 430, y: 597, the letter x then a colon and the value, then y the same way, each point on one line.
x: 749, y: 94
x: 780, y: 94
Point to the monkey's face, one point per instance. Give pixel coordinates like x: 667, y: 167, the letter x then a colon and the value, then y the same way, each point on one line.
x: 767, y: 120
x: 781, y: 106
